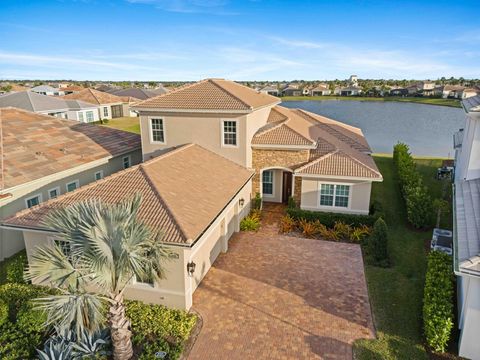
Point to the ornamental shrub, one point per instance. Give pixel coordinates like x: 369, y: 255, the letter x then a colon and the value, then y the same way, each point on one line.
x: 438, y: 300
x: 15, y: 268
x: 17, y: 295
x: 257, y: 202
x: 3, y: 313
x: 377, y: 244
x: 329, y: 219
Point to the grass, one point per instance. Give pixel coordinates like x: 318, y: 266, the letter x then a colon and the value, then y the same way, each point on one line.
x: 396, y: 292
x: 126, y: 123
x: 419, y: 100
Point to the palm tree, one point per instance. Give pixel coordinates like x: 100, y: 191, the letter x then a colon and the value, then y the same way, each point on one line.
x: 102, y: 248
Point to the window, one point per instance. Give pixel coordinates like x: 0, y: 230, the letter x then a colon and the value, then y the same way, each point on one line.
x: 229, y: 133
x: 64, y: 246
x: 53, y: 193
x: 72, y: 185
x: 126, y: 162
x: 105, y: 111
x: 33, y: 201
x: 334, y: 195
x: 80, y: 116
x: 143, y: 281
x: 89, y: 116
x: 99, y: 175
x: 267, y: 182
x: 157, y: 131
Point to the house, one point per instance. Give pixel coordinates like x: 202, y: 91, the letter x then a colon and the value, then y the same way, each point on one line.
x: 320, y: 90
x: 350, y: 91
x: 466, y: 231
x: 70, y: 89
x: 353, y: 80
x: 44, y: 157
x: 306, y: 91
x: 469, y: 92
x: 49, y: 105
x: 137, y: 93
x: 399, y: 92
x: 292, y: 90
x: 109, y: 106
x: 46, y: 90
x: 426, y: 88
x: 270, y: 90
x: 208, y: 148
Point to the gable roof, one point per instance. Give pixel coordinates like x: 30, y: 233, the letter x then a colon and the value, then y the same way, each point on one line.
x: 44, y: 88
x: 137, y: 93
x: 210, y: 95
x: 335, y: 148
x: 96, y: 97
x: 31, y: 101
x: 34, y: 146
x: 183, y: 191
x: 471, y: 104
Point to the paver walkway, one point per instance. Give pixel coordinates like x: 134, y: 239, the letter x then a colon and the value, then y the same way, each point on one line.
x: 277, y: 297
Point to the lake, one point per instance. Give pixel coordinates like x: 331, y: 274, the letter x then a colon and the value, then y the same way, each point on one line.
x: 428, y: 129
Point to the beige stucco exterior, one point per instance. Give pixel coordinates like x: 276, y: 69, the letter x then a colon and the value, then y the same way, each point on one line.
x: 11, y: 241
x: 177, y: 288
x: 359, y: 197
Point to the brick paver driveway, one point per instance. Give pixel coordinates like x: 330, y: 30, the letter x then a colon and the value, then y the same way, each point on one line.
x: 277, y: 297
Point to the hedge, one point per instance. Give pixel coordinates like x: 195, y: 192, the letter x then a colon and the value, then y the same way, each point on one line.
x: 418, y: 203
x: 438, y: 300
x: 329, y: 219
x: 377, y: 244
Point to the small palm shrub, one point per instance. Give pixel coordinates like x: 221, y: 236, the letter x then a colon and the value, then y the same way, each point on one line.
x: 342, y: 230
x: 251, y: 222
x: 358, y: 234
x: 308, y: 228
x: 377, y: 244
x: 438, y: 300
x: 287, y: 224
x: 257, y: 201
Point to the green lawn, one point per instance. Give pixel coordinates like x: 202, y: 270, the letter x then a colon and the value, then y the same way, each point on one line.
x: 396, y: 292
x: 125, y: 123
x: 420, y: 100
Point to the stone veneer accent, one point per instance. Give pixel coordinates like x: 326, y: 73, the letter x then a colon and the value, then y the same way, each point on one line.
x: 266, y: 158
x: 297, y: 190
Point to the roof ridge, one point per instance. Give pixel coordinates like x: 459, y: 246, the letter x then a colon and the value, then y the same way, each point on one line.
x: 276, y: 126
x: 361, y: 163
x: 94, y: 96
x: 30, y: 99
x: 296, y: 132
x: 323, y: 157
x: 160, y: 198
x: 168, y: 153
x: 173, y: 91
x: 214, y: 82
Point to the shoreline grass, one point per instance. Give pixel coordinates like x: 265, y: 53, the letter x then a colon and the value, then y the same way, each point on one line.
x: 417, y: 100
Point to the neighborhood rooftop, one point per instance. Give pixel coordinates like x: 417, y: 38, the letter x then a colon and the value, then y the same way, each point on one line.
x: 34, y: 145
x: 31, y: 101
x: 179, y: 195
x: 472, y: 104
x: 210, y: 94
x: 96, y: 97
x: 137, y: 93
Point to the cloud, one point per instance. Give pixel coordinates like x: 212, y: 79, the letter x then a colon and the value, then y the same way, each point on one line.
x: 213, y: 7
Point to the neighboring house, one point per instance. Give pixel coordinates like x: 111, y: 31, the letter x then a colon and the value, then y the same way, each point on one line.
x: 469, y: 92
x: 412, y: 89
x: 46, y: 90
x: 138, y: 93
x: 109, y: 106
x: 320, y: 90
x: 324, y: 164
x: 353, y: 80
x: 291, y: 91
x: 44, y: 157
x: 426, y: 88
x: 466, y: 246
x: 49, y: 105
x: 399, y: 92
x: 270, y: 90
x: 306, y: 91
x: 70, y: 89
x: 350, y: 91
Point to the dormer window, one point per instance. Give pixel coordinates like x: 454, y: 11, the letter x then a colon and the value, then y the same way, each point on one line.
x: 229, y: 133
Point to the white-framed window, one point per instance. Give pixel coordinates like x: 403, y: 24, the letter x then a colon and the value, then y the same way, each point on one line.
x: 229, y: 133
x: 72, y: 185
x: 140, y: 281
x: 53, y: 193
x: 80, y: 116
x: 126, y: 162
x: 98, y: 175
x: 267, y: 182
x: 157, y: 131
x: 89, y: 116
x: 33, y: 200
x: 105, y: 111
x: 64, y: 246
x: 334, y: 195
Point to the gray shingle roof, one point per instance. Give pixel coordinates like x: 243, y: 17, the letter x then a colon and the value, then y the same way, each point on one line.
x: 137, y: 93
x: 43, y: 88
x: 32, y: 101
x: 472, y: 104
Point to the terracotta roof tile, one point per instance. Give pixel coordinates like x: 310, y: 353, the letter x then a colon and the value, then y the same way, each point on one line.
x: 281, y: 135
x: 96, y: 97
x: 34, y: 145
x: 210, y: 94
x: 183, y: 191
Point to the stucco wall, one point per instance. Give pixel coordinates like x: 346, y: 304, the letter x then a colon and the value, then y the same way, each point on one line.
x: 11, y: 241
x: 359, y: 201
x: 469, y: 346
x: 277, y: 187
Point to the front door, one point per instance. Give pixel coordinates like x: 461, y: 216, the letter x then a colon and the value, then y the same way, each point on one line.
x: 286, y: 186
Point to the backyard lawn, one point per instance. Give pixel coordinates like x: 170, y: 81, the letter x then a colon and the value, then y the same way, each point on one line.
x: 420, y: 100
x: 125, y: 123
x: 396, y: 292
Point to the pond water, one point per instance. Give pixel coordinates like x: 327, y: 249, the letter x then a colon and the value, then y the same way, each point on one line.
x: 428, y: 129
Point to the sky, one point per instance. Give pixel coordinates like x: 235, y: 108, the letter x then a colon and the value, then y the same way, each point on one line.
x: 185, y: 40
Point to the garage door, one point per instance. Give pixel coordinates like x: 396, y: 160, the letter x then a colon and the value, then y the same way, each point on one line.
x: 117, y: 111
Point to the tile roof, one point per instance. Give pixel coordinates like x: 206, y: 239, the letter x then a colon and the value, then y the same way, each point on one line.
x: 183, y: 191
x: 347, y: 149
x: 96, y: 97
x: 137, y: 93
x: 31, y: 101
x: 34, y: 145
x: 44, y: 88
x: 210, y: 94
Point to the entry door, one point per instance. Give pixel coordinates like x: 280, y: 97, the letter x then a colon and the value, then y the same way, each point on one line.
x: 286, y: 186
